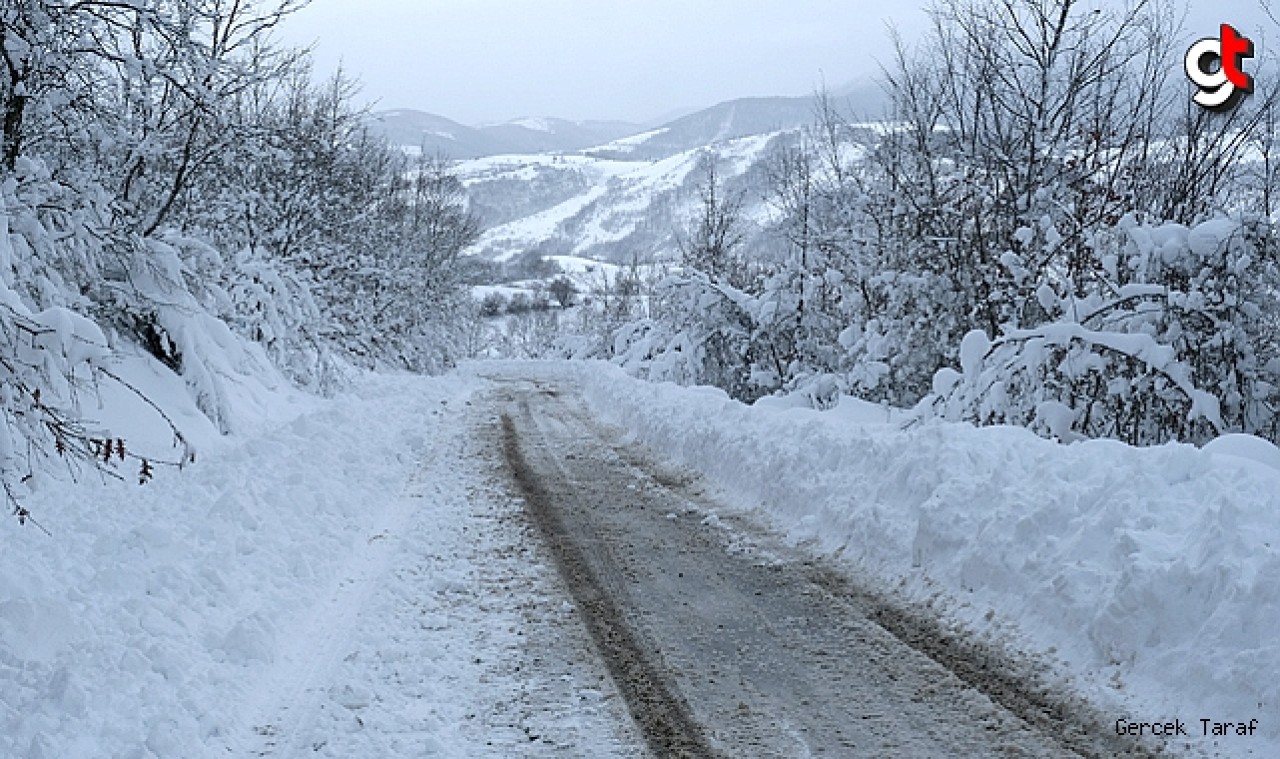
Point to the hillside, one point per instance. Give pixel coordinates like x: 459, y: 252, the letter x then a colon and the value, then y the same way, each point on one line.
x: 726, y: 121
x: 624, y: 198
x: 605, y: 209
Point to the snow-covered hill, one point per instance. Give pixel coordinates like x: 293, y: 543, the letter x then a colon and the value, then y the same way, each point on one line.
x: 611, y: 191
x: 664, y: 138
x: 601, y: 206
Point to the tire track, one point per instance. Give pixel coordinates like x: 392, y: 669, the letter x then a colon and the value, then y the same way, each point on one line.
x: 663, y: 717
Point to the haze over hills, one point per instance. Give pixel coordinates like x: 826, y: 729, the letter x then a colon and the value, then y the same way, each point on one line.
x: 418, y: 130
x: 743, y: 117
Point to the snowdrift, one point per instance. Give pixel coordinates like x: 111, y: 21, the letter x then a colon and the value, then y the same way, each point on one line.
x: 139, y: 627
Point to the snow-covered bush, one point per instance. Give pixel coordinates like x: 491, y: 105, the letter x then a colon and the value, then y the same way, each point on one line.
x: 53, y: 358
x: 1179, y: 343
x: 702, y: 334
x: 273, y: 304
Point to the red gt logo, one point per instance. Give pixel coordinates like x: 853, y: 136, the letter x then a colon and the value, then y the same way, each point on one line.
x: 1213, y: 65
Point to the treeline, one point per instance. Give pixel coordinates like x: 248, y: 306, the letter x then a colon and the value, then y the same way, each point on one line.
x: 171, y: 178
x: 1044, y: 232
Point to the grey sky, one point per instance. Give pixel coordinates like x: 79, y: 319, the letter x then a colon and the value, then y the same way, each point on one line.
x: 492, y: 60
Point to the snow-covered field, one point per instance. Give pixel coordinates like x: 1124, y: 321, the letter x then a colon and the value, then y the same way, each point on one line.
x: 1152, y: 574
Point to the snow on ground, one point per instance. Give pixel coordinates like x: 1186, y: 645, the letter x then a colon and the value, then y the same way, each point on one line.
x: 322, y: 586
x: 525, y: 167
x: 577, y: 265
x: 629, y: 144
x: 589, y: 274
x: 1152, y: 574
x: 139, y: 627
x: 534, y: 124
x: 480, y: 292
x: 517, y: 237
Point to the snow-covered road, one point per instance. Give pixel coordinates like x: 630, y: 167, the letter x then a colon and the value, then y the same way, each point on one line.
x: 353, y: 579
x: 670, y: 630
x: 446, y: 633
x: 398, y: 572
x: 728, y: 643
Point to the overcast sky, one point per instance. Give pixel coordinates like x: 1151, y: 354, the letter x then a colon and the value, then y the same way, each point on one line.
x: 492, y: 60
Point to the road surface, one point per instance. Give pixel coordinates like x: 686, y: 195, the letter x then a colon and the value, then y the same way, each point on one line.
x: 545, y: 589
x: 723, y: 641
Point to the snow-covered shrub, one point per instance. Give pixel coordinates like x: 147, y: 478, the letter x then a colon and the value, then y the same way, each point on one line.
x: 53, y: 357
x: 702, y: 334
x: 1179, y: 343
x: 493, y: 304
x: 273, y: 304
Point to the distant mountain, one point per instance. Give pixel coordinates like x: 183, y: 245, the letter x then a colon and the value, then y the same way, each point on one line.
x: 862, y: 100
x: 745, y: 117
x: 436, y: 134
x: 672, y: 115
x: 433, y: 134
x: 555, y: 135
x: 731, y: 120
x: 720, y: 123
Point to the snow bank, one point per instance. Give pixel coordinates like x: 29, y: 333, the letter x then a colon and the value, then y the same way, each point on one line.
x: 1153, y: 574
x: 138, y: 628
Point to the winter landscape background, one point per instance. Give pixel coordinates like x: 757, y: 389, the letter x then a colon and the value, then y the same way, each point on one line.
x: 998, y: 330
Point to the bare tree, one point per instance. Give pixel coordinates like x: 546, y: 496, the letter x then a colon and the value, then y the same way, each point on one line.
x: 715, y: 234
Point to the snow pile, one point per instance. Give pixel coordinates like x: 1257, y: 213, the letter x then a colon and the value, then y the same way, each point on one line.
x: 142, y: 626
x: 1153, y: 573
